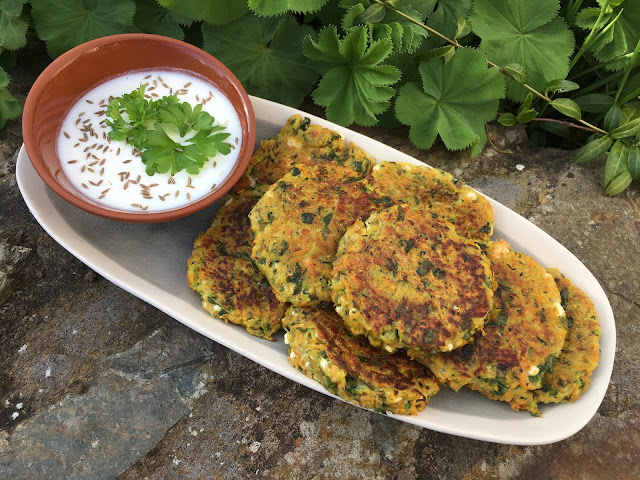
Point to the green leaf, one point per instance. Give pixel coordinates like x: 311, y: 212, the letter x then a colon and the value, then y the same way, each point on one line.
x: 356, y: 86
x: 524, y: 32
x: 215, y: 12
x: 64, y: 24
x: 404, y: 34
x: 626, y: 33
x: 445, y: 17
x: 464, y: 28
x: 612, y: 118
x: 567, y: 107
x: 526, y: 103
x: 152, y: 18
x: 13, y: 25
x: 620, y: 183
x: 634, y: 161
x: 630, y: 129
x: 587, y: 17
x: 12, y: 7
x: 526, y: 115
x: 269, y: 8
x: 446, y: 52
x: 560, y: 86
x: 507, y: 119
x: 594, y: 102
x: 373, y: 14
x: 593, y: 149
x: 517, y: 72
x: 266, y: 55
x: 455, y: 101
x: 617, y: 162
x: 9, y: 107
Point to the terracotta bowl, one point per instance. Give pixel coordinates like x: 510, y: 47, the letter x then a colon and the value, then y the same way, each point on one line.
x: 81, y: 69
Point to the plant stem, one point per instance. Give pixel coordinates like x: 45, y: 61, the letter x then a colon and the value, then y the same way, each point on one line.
x: 565, y: 123
x: 455, y: 43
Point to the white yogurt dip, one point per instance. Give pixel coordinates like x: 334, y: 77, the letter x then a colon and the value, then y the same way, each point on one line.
x: 111, y: 172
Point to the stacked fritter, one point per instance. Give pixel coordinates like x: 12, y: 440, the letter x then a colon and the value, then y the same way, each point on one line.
x: 389, y: 281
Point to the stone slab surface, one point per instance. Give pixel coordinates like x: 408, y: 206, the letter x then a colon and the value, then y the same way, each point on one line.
x: 95, y: 383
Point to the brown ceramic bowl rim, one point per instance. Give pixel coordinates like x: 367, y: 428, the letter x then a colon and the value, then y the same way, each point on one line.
x: 60, y: 63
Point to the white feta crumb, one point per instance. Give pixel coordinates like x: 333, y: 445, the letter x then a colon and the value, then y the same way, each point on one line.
x: 15, y: 415
x: 339, y: 309
x: 22, y: 348
x: 228, y: 202
x: 471, y: 196
x: 292, y: 355
x: 398, y: 400
x: 254, y: 447
x: 286, y: 338
x: 48, y: 372
x: 519, y: 167
x: 74, y: 331
x: 175, y: 461
x: 560, y: 309
x: 450, y: 346
x: 258, y: 408
x: 217, y: 308
x: 324, y: 364
x: 19, y: 405
x: 533, y: 371
x: 95, y: 443
x: 389, y: 349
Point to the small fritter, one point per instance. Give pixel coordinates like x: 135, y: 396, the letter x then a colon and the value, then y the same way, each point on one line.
x: 523, y: 336
x: 321, y: 347
x: 221, y: 270
x: 301, y: 143
x: 439, y: 192
x: 297, y: 226
x: 407, y: 280
x: 580, y: 355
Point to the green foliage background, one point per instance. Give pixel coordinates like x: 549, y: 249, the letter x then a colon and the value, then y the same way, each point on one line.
x: 567, y: 69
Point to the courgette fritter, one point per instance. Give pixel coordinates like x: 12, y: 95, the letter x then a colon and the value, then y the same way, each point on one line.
x: 297, y: 225
x: 221, y: 270
x: 437, y: 191
x: 321, y: 347
x: 301, y: 143
x: 407, y: 280
x: 571, y: 373
x: 523, y: 335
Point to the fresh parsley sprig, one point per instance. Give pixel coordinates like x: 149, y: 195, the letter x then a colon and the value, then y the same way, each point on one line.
x: 149, y: 125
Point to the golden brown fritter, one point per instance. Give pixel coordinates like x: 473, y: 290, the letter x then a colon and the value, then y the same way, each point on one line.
x: 437, y: 191
x: 221, y: 270
x: 297, y: 226
x: 301, y: 143
x: 571, y: 373
x: 321, y: 347
x: 522, y: 337
x: 407, y: 280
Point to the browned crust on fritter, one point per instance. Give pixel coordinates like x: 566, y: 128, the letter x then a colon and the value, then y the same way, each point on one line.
x: 407, y: 280
x: 349, y: 366
x: 439, y: 192
x: 580, y: 355
x: 222, y: 272
x: 522, y: 337
x: 301, y: 143
x: 298, y: 224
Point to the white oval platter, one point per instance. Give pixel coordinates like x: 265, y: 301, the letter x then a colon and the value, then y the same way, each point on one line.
x: 149, y: 261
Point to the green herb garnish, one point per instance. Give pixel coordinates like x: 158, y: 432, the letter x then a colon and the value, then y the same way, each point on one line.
x: 152, y: 125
